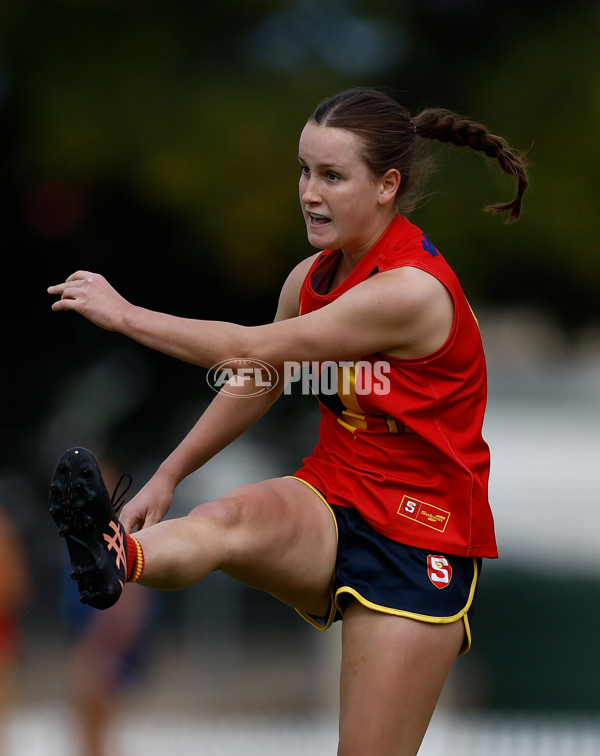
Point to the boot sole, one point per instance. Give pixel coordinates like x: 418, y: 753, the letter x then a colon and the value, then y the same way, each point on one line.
x: 80, y: 506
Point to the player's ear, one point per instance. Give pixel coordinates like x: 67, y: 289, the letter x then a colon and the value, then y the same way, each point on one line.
x: 389, y: 185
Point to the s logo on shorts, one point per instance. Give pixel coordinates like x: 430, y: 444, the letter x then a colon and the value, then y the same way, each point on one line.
x: 439, y: 571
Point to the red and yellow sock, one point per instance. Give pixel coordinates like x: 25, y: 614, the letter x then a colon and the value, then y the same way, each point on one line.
x: 135, y: 559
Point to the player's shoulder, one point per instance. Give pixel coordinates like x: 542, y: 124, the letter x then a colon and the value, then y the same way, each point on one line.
x: 299, y: 272
x: 290, y: 292
x: 405, y: 287
x: 301, y: 269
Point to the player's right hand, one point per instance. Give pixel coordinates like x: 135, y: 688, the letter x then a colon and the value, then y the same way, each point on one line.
x: 92, y: 296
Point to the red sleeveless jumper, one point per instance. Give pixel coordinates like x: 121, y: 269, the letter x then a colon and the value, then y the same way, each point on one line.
x: 401, y: 440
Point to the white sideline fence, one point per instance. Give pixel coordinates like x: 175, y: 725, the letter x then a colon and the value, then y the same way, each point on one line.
x: 48, y: 731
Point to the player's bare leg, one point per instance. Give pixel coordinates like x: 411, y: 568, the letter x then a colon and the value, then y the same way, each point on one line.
x: 276, y: 536
x: 393, y: 671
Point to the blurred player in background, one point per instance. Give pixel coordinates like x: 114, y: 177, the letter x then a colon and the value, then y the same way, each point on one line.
x: 14, y: 592
x: 108, y: 656
x: 107, y: 659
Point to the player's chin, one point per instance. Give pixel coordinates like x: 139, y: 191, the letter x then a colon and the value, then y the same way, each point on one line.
x: 319, y: 236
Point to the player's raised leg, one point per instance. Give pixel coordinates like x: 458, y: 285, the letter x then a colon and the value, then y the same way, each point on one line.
x: 393, y: 671
x: 277, y: 536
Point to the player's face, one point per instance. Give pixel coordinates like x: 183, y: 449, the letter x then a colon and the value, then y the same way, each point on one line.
x: 344, y: 205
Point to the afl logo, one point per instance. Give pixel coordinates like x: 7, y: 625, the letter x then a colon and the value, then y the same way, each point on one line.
x: 439, y: 570
x: 228, y: 375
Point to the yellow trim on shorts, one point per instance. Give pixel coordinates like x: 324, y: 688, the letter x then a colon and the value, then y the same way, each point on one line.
x: 334, y: 604
x: 463, y: 614
x: 323, y: 499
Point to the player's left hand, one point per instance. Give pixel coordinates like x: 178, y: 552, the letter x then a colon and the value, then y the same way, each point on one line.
x: 92, y: 296
x: 148, y: 506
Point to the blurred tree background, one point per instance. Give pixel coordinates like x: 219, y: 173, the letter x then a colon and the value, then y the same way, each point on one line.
x: 156, y: 143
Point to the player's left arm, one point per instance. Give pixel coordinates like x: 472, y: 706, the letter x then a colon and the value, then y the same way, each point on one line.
x: 405, y: 311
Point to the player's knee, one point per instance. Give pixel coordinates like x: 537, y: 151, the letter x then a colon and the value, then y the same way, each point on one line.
x: 223, y: 512
x: 229, y: 516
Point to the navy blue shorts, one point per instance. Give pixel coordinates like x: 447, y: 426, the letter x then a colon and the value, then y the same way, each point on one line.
x: 393, y: 578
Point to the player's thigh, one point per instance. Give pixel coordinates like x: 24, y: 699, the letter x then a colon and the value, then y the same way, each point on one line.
x: 281, y: 537
x: 393, y: 671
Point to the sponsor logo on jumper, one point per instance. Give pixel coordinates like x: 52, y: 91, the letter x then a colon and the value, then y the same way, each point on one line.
x: 322, y: 378
x: 439, y: 570
x: 424, y: 513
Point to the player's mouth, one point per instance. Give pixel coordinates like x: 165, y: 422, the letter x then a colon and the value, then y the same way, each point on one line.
x: 318, y: 220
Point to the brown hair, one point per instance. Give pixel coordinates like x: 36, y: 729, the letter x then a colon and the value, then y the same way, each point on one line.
x: 388, y: 134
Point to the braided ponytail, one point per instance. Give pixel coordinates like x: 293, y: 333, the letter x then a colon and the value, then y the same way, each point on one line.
x: 388, y: 133
x: 445, y: 126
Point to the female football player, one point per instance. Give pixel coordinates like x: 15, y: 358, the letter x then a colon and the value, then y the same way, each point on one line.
x: 385, y: 523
